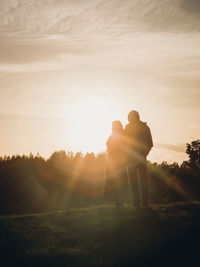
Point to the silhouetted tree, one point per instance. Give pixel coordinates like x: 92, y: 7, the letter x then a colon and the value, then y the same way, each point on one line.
x: 31, y: 183
x: 193, y: 151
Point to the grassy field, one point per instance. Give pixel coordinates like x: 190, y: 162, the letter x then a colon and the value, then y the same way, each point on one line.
x: 103, y: 236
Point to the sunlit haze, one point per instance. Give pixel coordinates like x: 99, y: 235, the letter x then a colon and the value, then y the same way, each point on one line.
x: 90, y: 121
x: 69, y: 68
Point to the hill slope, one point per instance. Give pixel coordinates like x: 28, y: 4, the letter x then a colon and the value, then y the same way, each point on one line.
x: 103, y: 236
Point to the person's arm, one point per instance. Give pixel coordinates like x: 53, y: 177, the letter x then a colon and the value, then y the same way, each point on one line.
x: 126, y: 131
x: 108, y: 144
x: 149, y: 140
x: 127, y: 136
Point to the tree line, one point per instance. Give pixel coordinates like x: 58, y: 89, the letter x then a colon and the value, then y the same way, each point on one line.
x: 34, y: 184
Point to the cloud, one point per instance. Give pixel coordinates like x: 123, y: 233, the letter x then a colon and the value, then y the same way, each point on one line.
x: 144, y: 53
x: 192, y: 6
x: 166, y: 56
x: 34, y: 50
x: 97, y: 19
x: 177, y: 148
x: 44, y: 16
x: 108, y: 33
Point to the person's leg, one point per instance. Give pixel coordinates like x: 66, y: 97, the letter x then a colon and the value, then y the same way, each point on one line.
x: 123, y: 185
x: 143, y: 176
x: 119, y: 197
x: 135, y: 186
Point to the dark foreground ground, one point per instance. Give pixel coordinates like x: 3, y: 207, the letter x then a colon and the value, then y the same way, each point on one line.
x: 102, y: 236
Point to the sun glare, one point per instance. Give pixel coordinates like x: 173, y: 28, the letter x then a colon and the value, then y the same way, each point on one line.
x: 90, y: 123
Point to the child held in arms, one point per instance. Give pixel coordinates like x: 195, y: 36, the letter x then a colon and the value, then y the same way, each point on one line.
x: 116, y: 171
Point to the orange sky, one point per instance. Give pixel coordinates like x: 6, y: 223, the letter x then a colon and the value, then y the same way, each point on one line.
x: 68, y: 68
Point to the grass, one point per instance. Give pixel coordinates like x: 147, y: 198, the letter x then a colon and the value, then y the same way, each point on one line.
x: 103, y: 236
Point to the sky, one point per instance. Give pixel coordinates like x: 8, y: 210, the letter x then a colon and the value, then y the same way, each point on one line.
x: 68, y: 68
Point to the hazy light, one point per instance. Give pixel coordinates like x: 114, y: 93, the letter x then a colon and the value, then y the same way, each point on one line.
x: 90, y: 122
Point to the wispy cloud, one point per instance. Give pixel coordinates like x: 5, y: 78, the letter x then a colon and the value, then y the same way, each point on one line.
x: 122, y: 32
x: 80, y: 18
x: 145, y: 53
x: 174, y: 147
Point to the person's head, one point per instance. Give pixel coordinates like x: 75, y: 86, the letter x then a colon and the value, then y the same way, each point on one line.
x: 133, y: 116
x: 117, y: 127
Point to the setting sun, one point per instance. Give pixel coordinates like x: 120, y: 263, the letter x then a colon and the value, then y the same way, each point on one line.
x: 90, y: 120
x: 100, y: 133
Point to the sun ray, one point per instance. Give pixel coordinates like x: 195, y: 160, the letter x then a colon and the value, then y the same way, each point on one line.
x: 90, y: 121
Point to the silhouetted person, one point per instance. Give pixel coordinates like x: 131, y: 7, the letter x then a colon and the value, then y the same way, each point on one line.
x: 139, y: 144
x: 116, y: 172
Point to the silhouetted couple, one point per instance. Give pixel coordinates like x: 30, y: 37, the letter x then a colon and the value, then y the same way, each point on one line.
x: 127, y: 151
